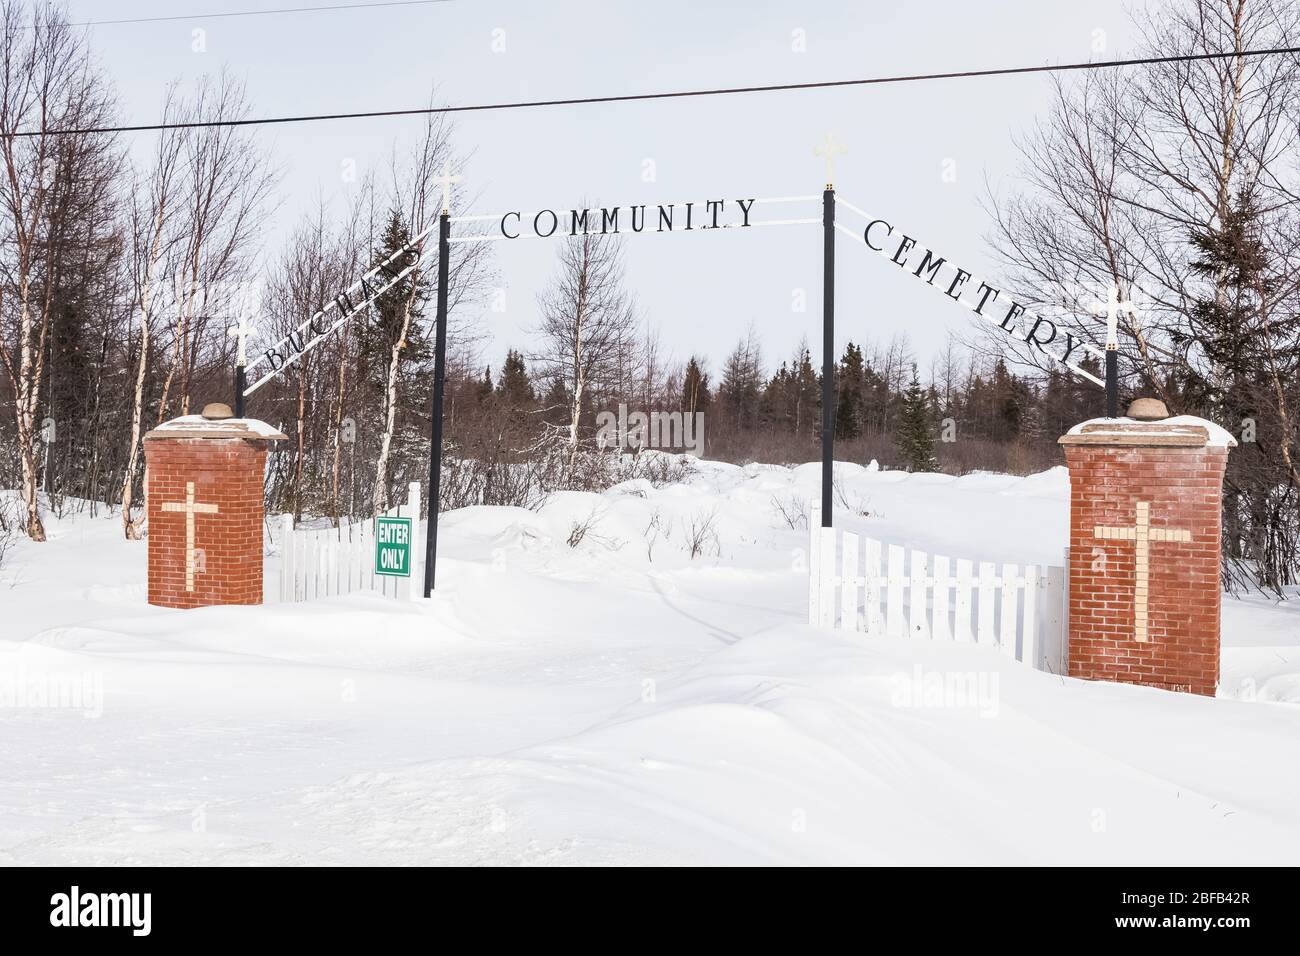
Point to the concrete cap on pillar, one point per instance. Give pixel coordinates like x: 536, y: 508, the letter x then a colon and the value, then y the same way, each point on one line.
x: 216, y: 426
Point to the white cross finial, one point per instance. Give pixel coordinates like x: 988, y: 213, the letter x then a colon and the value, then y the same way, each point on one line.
x: 241, y: 331
x: 830, y: 149
x: 446, y: 179
x: 1112, y: 307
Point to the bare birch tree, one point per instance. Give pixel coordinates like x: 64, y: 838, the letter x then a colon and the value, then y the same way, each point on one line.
x: 587, y: 322
x: 47, y: 84
x: 417, y: 193
x: 226, y: 193
x: 152, y: 238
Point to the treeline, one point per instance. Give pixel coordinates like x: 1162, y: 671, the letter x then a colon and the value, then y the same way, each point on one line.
x: 965, y: 413
x: 122, y: 272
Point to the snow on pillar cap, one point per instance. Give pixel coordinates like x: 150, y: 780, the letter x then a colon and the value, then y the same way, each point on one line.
x: 1185, y: 431
x: 203, y: 426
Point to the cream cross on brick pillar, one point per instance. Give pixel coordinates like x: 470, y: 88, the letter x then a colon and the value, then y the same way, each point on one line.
x: 191, y: 508
x: 1141, y: 534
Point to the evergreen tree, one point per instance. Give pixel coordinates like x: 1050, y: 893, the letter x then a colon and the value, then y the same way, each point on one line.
x: 1006, y: 407
x: 1253, y: 349
x: 849, y: 400
x: 695, y: 388
x: 742, y: 384
x: 807, y: 397
x: 1016, y: 406
x: 1226, y: 323
x: 775, y: 405
x: 1088, y: 400
x: 915, y: 435
x: 555, y: 406
x: 513, y: 385
x: 1033, y: 425
x: 379, y: 327
x: 877, y: 402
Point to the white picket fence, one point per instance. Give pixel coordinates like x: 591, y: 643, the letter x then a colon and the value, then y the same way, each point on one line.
x: 887, y: 590
x: 318, y: 563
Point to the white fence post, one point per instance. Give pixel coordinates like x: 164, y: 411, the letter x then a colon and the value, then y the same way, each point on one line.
x: 417, y: 542
x: 965, y: 581
x: 894, y: 593
x: 1007, y: 617
x: 916, y: 624
x: 826, y: 561
x: 1029, y: 627
x: 814, y: 565
x: 1055, y: 655
x: 849, y: 584
x: 288, y: 576
x: 942, y: 583
x: 872, y: 574
x: 984, y: 612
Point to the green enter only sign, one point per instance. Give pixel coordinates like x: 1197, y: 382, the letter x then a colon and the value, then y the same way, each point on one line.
x: 393, y: 547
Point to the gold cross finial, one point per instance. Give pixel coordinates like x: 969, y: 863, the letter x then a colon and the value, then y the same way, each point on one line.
x: 830, y: 149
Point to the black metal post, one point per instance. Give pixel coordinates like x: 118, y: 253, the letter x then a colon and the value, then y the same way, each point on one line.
x: 1112, y: 383
x: 828, y: 349
x: 240, y: 384
x: 435, y: 428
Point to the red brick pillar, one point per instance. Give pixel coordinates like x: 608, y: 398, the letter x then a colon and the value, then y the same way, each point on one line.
x: 203, y: 478
x: 1145, y: 519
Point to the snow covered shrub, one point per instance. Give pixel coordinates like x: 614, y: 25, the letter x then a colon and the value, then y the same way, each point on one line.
x: 584, y: 530
x: 655, y: 529
x: 793, y: 511
x: 701, y: 535
x: 658, y: 468
x: 854, y: 501
x: 578, y: 529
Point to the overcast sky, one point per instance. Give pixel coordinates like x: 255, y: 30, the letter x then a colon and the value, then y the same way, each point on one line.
x: 701, y: 291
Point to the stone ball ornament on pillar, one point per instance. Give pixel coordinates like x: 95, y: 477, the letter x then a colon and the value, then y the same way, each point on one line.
x: 204, y: 479
x: 1146, y: 496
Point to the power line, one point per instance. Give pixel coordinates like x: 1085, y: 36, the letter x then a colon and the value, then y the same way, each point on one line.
x: 678, y: 94
x: 261, y: 13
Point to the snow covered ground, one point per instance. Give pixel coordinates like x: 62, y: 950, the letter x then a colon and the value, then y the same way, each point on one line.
x: 619, y: 701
